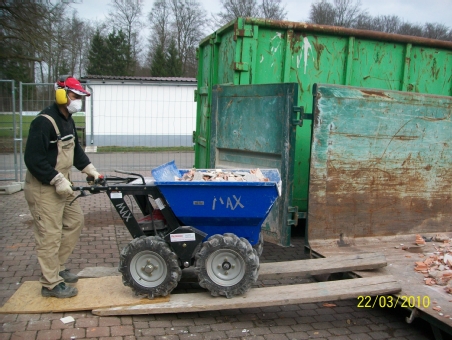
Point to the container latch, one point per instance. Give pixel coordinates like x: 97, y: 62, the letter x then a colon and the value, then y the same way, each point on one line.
x: 301, y: 115
x: 294, y: 218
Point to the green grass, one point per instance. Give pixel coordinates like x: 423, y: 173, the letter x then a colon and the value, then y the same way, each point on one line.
x: 6, y: 124
x: 7, y: 146
x: 143, y: 149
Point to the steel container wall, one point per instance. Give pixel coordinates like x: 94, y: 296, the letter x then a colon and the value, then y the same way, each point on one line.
x: 257, y: 51
x: 380, y: 164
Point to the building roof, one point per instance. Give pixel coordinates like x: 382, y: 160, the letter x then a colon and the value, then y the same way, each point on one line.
x: 140, y: 79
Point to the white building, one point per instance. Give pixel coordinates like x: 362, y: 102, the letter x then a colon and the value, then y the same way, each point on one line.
x: 140, y: 111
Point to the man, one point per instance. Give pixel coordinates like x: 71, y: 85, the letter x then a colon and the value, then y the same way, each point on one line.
x: 52, y: 149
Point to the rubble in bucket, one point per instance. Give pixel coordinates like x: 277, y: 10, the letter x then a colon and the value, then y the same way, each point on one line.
x: 254, y: 175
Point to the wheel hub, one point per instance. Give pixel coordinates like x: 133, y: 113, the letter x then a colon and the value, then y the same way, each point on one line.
x: 225, y: 267
x: 148, y: 268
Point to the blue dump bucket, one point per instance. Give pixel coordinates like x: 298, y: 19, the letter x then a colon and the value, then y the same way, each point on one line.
x: 219, y: 207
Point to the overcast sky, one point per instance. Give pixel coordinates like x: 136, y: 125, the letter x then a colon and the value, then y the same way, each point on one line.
x: 412, y: 11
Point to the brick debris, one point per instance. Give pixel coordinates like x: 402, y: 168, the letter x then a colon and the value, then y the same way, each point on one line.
x: 253, y: 175
x: 437, y: 267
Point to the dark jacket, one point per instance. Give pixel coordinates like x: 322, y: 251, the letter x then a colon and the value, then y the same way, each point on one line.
x: 40, y: 154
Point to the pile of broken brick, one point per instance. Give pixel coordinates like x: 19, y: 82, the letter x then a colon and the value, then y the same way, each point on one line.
x: 437, y: 268
x: 253, y: 175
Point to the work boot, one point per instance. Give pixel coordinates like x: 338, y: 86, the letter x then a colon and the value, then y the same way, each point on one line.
x: 60, y: 291
x: 68, y: 276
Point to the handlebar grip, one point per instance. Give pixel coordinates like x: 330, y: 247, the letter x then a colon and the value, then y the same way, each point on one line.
x: 101, y: 180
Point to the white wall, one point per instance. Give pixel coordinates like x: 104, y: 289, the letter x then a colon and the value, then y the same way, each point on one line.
x: 141, y: 114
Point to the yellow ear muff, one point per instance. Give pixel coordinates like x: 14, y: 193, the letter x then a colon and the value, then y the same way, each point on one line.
x: 60, y: 96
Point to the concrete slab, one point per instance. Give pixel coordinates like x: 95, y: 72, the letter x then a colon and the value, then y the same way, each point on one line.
x: 11, y: 188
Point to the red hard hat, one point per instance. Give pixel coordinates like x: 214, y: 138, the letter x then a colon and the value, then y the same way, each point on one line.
x: 72, y: 84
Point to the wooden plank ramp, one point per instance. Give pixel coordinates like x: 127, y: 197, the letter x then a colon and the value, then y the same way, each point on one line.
x: 308, y: 268
x: 279, y: 270
x: 263, y: 297
x: 102, y: 290
x: 329, y: 265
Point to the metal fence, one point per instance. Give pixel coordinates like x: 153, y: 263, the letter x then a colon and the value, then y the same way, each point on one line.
x: 10, y: 132
x: 129, y: 127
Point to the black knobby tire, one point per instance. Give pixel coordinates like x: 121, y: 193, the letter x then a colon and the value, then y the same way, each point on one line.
x: 227, y: 265
x: 149, y: 267
x: 259, y: 246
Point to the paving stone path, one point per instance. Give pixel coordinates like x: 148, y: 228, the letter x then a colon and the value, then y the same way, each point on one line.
x: 99, y: 246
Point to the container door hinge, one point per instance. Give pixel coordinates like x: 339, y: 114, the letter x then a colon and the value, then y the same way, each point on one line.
x: 300, y: 115
x: 243, y: 33
x: 246, y: 32
x: 202, y: 91
x: 293, y: 220
x: 241, y: 66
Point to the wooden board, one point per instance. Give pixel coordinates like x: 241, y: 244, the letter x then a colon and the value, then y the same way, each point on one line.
x: 278, y: 270
x: 262, y: 297
x: 311, y: 267
x: 92, y: 293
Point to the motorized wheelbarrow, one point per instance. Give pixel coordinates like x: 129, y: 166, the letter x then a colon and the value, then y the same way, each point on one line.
x: 214, y: 226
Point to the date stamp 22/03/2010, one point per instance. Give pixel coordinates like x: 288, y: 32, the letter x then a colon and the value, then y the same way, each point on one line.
x: 383, y: 301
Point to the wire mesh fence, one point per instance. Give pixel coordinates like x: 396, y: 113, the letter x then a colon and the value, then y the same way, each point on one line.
x: 131, y: 127
x: 9, y: 131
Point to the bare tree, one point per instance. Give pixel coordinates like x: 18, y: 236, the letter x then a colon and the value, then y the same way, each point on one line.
x: 322, y: 12
x: 273, y: 9
x: 233, y: 9
x: 75, y: 44
x: 22, y: 32
x: 159, y: 19
x: 345, y: 13
x: 188, y: 19
x: 382, y: 23
x: 17, y: 20
x: 42, y: 38
x: 126, y: 16
x: 53, y: 51
x: 181, y: 20
x: 410, y: 29
x: 437, y: 31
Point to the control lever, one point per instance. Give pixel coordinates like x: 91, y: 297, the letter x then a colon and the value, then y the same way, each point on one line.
x: 82, y: 193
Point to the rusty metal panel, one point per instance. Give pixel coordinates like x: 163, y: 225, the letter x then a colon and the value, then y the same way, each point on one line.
x: 381, y: 164
x: 254, y: 126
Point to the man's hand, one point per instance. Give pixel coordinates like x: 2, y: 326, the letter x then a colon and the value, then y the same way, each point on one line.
x: 91, y: 171
x: 62, y: 185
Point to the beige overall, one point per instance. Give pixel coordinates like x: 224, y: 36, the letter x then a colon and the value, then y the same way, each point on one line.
x: 57, y: 225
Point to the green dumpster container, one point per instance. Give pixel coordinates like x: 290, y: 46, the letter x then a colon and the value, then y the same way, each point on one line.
x: 257, y: 51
